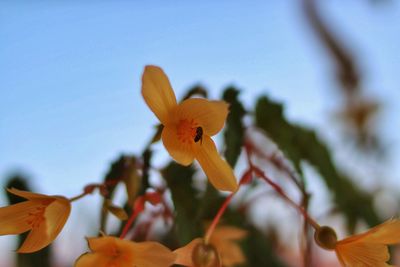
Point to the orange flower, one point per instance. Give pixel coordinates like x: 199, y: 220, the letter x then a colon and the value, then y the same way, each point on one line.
x: 223, y: 248
x: 368, y: 249
x: 188, y: 127
x: 43, y: 215
x: 110, y: 251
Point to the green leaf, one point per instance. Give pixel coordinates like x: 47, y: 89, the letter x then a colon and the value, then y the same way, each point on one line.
x: 179, y: 179
x: 196, y: 90
x: 259, y: 250
x: 118, y: 212
x: 234, y: 130
x: 119, y: 171
x: 298, y: 144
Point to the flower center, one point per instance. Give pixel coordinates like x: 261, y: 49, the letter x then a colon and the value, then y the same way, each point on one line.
x: 189, y: 131
x: 36, y: 217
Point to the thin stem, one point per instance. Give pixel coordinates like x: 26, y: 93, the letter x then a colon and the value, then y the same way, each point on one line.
x: 129, y: 223
x: 249, y: 147
x: 218, y: 217
x: 280, y: 191
x: 72, y: 199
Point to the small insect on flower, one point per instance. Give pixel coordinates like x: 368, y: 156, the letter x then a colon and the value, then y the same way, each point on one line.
x: 199, y: 135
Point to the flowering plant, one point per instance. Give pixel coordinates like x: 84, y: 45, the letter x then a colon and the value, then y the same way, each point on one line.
x: 231, y: 236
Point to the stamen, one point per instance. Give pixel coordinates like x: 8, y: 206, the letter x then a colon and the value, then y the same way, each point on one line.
x: 36, y: 218
x: 187, y: 130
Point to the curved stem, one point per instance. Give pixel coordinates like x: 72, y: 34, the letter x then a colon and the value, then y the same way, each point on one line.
x: 280, y: 191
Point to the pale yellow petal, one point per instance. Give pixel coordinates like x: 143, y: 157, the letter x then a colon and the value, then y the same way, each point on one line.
x: 218, y: 171
x: 152, y: 254
x: 14, y: 218
x: 92, y: 260
x: 181, y: 152
x: 158, y: 93
x: 56, y: 215
x: 184, y: 254
x: 26, y: 194
x: 210, y: 115
x: 360, y: 254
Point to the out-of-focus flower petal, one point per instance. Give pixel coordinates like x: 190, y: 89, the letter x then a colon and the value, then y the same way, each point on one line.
x: 369, y: 248
x: 362, y: 254
x: 228, y: 233
x: 184, y: 254
x: 225, y: 239
x: 158, y: 93
x: 152, y: 254
x: 103, y: 244
x: 26, y: 194
x: 124, y: 253
x: 210, y: 115
x: 217, y: 170
x: 385, y: 233
x: 181, y: 152
x: 14, y: 218
x: 231, y: 254
x: 92, y: 260
x: 55, y: 217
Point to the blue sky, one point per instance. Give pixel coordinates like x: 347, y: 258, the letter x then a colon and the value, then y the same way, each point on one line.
x: 70, y: 72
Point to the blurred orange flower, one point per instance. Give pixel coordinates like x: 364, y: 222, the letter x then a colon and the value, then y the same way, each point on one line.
x: 188, y: 127
x: 223, y: 240
x: 366, y: 249
x: 110, y: 251
x: 43, y: 215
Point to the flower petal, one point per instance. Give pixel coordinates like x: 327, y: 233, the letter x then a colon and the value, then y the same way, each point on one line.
x: 218, y: 170
x: 158, y: 93
x: 225, y: 240
x: 210, y: 115
x: 228, y: 233
x: 26, y: 194
x: 385, y: 233
x: 90, y: 260
x: 13, y: 219
x: 183, y: 153
x: 152, y: 254
x: 102, y: 244
x: 362, y: 254
x: 56, y: 215
x: 184, y: 254
x: 231, y: 254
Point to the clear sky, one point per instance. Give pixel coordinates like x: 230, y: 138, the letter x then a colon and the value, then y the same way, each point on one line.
x: 70, y: 72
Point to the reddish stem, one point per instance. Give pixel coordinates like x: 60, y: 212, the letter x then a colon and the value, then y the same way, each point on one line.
x: 129, y: 223
x: 280, y: 191
x: 218, y: 217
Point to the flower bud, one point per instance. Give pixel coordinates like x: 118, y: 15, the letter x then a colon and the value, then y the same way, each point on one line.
x: 205, y: 255
x: 326, y: 237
